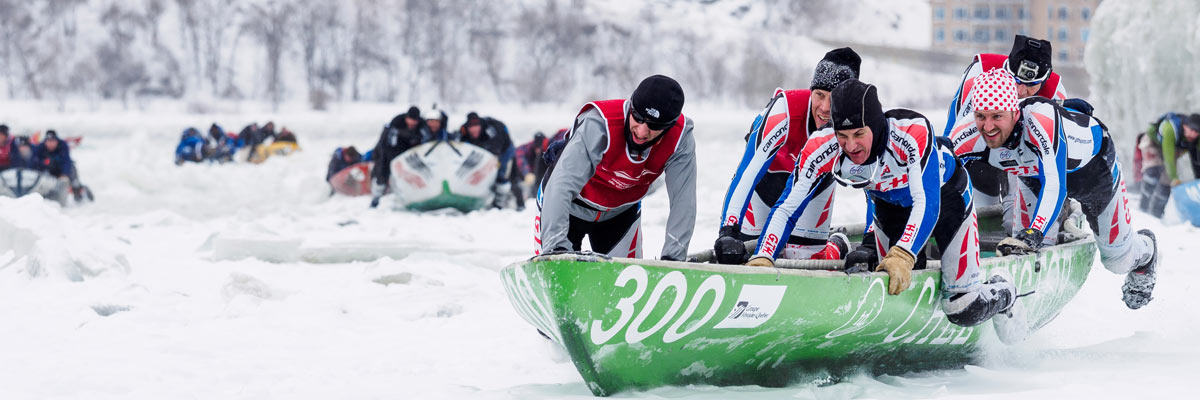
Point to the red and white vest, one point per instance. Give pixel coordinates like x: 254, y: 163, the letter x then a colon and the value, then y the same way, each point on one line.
x: 5, y: 150
x: 619, y: 179
x: 798, y: 108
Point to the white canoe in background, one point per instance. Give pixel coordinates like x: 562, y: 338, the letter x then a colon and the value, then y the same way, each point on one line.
x: 18, y: 182
x: 444, y: 174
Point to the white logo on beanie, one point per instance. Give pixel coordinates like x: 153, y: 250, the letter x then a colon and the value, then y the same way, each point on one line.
x: 653, y: 112
x: 847, y: 122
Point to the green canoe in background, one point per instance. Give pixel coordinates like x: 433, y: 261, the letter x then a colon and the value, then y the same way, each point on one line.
x: 635, y: 324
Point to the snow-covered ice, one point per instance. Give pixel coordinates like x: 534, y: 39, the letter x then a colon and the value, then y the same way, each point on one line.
x: 246, y: 281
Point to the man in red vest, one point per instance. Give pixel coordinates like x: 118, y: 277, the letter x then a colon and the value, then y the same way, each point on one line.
x: 772, y: 148
x: 615, y: 151
x: 6, y: 147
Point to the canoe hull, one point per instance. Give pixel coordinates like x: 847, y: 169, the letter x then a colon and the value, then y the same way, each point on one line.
x: 630, y: 324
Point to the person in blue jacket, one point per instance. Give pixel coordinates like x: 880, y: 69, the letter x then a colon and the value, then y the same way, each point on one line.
x: 23, y: 155
x: 219, y: 147
x: 55, y: 156
x: 343, y: 157
x: 190, y: 148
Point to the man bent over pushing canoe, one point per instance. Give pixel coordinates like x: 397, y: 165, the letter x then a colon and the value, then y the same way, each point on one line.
x: 918, y: 189
x: 1057, y: 153
x: 613, y: 154
x: 772, y: 148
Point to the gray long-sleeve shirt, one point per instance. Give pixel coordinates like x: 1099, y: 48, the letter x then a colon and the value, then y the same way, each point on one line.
x: 576, y: 166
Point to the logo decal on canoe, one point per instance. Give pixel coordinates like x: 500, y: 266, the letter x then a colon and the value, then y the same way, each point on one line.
x: 754, y: 306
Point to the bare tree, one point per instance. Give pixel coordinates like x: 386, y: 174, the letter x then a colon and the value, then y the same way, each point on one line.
x: 553, y: 39
x: 119, y: 70
x: 486, y: 43
x: 367, y: 36
x: 271, y: 25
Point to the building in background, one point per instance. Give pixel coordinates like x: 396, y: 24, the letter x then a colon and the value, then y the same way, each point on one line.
x: 981, y: 26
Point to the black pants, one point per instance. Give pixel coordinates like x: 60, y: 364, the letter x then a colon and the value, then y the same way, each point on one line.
x: 1155, y: 191
x: 516, y: 180
x: 890, y: 219
x: 603, y: 235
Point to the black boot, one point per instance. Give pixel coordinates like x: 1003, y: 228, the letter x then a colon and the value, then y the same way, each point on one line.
x: 1139, y: 283
x: 997, y: 296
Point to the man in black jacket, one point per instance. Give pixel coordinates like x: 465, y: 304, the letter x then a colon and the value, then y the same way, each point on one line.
x: 492, y: 135
x: 401, y: 134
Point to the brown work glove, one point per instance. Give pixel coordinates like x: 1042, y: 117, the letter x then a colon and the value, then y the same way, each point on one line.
x: 761, y: 261
x: 899, y: 264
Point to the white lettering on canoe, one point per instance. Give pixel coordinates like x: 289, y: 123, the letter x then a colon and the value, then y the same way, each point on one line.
x: 936, y: 323
x: 637, y: 275
x: 529, y: 305
x: 683, y: 326
x: 869, y: 307
x: 754, y: 306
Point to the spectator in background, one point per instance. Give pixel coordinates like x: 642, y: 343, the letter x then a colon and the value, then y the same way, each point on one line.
x: 7, y: 147
x: 56, y: 156
x: 397, y: 137
x: 342, y: 157
x: 190, y: 148
x: 219, y: 147
x: 285, y: 135
x: 492, y: 135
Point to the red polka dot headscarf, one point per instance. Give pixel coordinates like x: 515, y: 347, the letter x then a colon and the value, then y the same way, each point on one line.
x: 995, y: 90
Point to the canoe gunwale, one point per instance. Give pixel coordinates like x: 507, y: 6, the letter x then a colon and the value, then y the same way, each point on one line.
x: 815, y: 268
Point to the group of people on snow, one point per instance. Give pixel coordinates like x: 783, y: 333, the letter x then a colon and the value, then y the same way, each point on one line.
x: 1157, y: 155
x: 517, y: 164
x: 221, y: 146
x: 1014, y: 140
x: 51, y: 155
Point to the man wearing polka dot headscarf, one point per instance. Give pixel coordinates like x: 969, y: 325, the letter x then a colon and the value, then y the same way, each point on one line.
x: 1056, y: 153
x: 1029, y: 65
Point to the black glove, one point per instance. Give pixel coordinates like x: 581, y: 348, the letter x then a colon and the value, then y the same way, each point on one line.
x: 864, y: 258
x: 1026, y: 241
x: 728, y: 248
x: 374, y: 202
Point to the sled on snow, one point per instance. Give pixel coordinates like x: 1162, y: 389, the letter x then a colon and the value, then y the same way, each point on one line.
x: 18, y: 182
x: 1187, y: 201
x: 262, y: 152
x: 354, y: 180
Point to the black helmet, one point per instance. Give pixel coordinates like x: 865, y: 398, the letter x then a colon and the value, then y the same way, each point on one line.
x: 1029, y: 60
x: 855, y: 104
x: 657, y: 102
x: 1192, y: 121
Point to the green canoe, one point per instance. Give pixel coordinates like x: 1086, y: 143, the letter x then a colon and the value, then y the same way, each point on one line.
x: 635, y: 324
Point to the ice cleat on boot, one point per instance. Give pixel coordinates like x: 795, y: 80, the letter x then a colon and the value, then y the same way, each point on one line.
x: 1011, y: 325
x: 1139, y: 283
